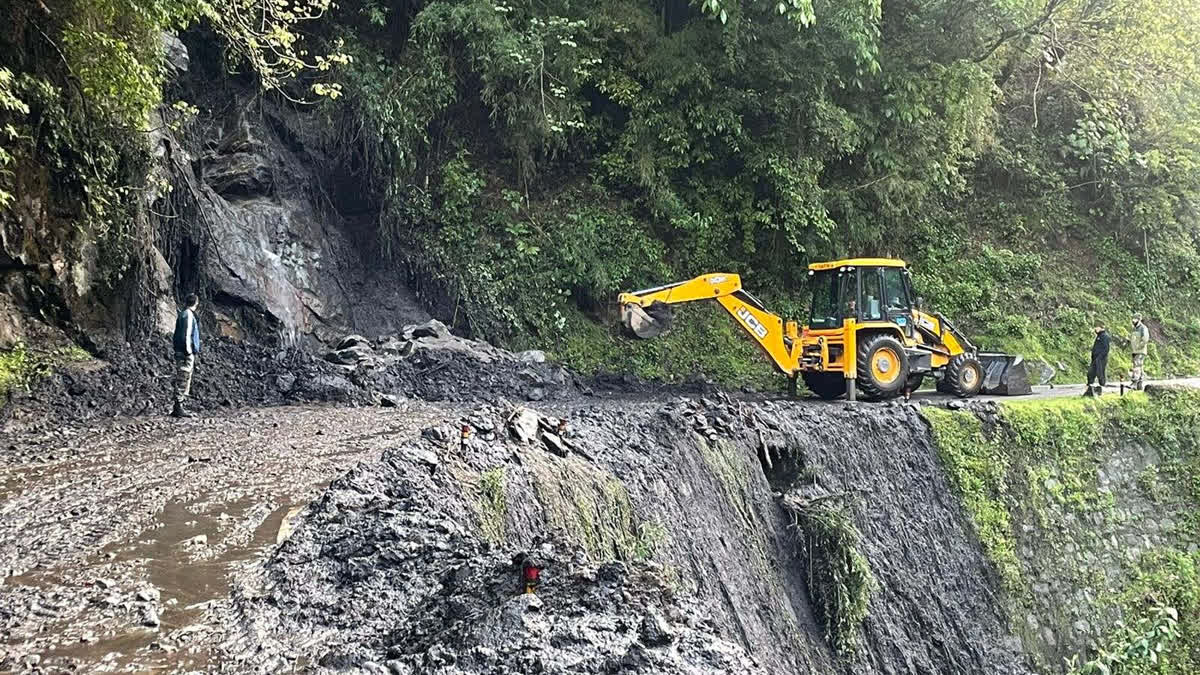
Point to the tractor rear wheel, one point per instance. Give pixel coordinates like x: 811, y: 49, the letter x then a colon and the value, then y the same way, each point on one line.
x: 826, y: 385
x: 882, y: 367
x: 963, y: 377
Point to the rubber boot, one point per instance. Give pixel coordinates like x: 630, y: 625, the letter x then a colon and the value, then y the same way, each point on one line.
x: 178, y: 411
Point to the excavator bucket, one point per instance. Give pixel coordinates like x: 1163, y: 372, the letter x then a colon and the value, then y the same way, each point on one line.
x: 1041, y: 371
x: 1004, y: 375
x: 646, y: 322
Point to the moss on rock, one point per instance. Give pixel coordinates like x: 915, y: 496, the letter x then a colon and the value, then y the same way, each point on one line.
x: 1087, y: 508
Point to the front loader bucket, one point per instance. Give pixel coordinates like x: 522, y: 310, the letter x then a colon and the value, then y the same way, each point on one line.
x: 1004, y: 374
x: 646, y: 322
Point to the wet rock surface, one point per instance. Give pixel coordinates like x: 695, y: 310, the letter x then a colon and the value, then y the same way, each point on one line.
x: 388, y: 573
x: 407, y: 564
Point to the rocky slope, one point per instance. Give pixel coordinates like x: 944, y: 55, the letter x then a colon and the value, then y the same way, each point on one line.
x: 407, y: 562
x: 243, y: 205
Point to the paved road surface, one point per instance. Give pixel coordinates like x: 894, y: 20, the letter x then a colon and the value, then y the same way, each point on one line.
x: 1061, y: 390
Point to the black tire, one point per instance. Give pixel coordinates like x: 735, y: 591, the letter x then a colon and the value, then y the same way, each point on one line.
x: 964, y: 376
x: 882, y: 367
x: 826, y: 385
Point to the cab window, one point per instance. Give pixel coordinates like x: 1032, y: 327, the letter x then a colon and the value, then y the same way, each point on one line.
x: 895, y: 292
x: 828, y: 289
x: 872, y: 302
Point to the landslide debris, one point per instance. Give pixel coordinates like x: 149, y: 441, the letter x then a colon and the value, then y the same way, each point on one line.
x: 407, y: 563
x: 423, y: 361
x: 387, y: 572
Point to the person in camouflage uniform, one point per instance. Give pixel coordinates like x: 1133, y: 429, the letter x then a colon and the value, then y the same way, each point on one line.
x: 1139, y: 343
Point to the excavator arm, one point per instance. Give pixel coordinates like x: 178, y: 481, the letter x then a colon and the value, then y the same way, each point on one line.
x: 647, y: 313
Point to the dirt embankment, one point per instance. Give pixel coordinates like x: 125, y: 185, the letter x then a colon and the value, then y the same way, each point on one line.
x: 657, y: 516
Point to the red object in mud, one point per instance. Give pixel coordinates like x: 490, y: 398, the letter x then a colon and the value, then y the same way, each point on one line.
x: 531, y: 574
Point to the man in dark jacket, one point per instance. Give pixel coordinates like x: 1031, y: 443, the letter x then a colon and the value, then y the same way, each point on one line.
x: 1096, y: 372
x: 187, y: 346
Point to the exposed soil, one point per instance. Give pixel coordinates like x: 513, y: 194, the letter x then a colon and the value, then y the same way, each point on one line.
x: 120, y: 539
x: 99, y: 527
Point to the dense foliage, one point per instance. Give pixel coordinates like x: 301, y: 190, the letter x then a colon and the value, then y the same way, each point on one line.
x: 1035, y: 160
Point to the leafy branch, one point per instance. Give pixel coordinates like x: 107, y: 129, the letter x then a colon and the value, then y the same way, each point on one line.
x: 266, y: 35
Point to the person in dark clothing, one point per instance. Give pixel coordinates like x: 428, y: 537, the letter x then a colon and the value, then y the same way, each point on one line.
x: 1096, y: 372
x: 186, y: 342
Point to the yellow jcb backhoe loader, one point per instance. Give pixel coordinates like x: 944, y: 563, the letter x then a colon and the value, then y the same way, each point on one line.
x: 866, y: 332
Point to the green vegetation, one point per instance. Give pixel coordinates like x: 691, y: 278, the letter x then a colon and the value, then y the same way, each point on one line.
x: 1037, y: 178
x: 840, y: 579
x: 979, y: 474
x: 18, y: 369
x: 492, y: 506
x: 1161, y: 631
x: 21, y: 366
x: 1136, y: 649
x: 1035, y: 161
x: 729, y: 466
x: 591, y: 507
x: 1043, y: 459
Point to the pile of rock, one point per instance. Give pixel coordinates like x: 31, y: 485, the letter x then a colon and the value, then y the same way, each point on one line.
x: 426, y: 361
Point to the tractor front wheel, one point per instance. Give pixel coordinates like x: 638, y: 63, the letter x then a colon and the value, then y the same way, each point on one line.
x: 826, y: 385
x: 882, y: 367
x: 963, y: 376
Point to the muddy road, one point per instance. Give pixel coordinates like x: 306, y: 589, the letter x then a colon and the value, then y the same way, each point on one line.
x: 117, y: 542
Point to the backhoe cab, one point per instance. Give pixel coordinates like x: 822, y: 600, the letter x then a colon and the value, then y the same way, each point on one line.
x: 866, y: 332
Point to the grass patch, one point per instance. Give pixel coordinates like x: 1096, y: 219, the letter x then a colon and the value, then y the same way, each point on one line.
x: 17, y: 369
x: 728, y: 464
x: 21, y: 367
x: 493, y: 504
x: 591, y: 508
x: 978, y: 473
x: 839, y: 579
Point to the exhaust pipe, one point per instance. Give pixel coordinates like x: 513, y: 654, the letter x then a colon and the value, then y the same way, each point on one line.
x: 1004, y: 374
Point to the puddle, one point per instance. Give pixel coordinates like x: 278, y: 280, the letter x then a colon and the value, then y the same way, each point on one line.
x: 190, y: 579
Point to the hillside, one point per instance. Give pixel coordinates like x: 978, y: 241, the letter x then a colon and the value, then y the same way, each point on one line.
x: 519, y: 164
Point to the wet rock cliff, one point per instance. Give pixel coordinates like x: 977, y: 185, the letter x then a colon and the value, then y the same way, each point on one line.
x: 244, y: 203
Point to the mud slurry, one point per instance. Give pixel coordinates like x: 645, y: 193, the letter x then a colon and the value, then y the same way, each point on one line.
x: 117, y: 543
x: 667, y: 549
